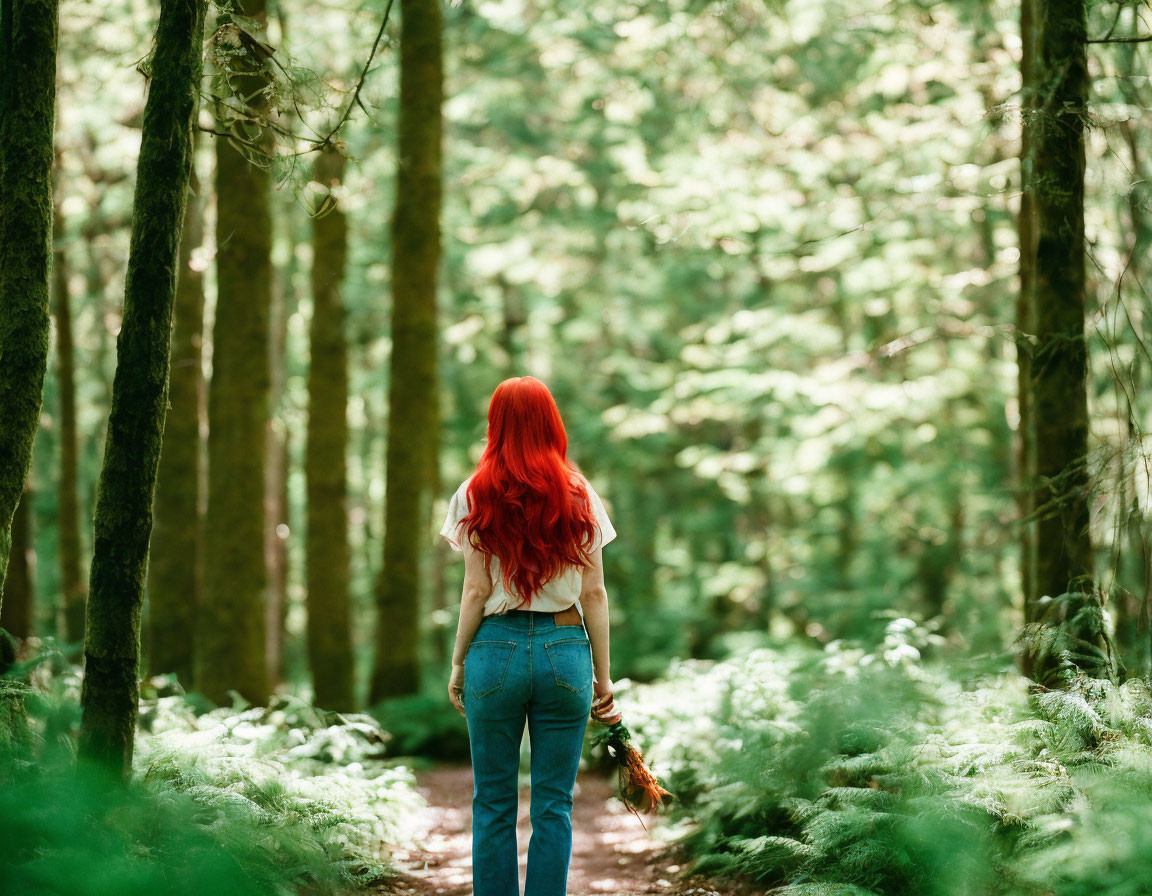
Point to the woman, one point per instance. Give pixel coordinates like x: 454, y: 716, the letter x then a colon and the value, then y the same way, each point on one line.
x: 532, y: 642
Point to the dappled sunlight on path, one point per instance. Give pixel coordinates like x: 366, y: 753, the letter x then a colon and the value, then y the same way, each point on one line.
x: 612, y: 855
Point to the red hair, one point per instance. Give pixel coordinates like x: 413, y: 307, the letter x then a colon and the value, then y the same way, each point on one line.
x: 529, y: 507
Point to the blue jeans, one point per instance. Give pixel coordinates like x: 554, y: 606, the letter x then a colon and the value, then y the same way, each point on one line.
x: 522, y: 665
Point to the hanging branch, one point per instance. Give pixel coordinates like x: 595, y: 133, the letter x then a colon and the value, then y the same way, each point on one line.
x: 355, y: 101
x: 235, y: 35
x: 1122, y: 40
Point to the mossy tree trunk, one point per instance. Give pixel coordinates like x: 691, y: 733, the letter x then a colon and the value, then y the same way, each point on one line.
x: 413, y: 392
x: 74, y: 590
x: 110, y: 691
x: 174, y: 570
x: 1134, y: 601
x: 329, y: 632
x: 16, y: 612
x: 96, y: 277
x: 277, y: 535
x: 1025, y: 321
x: 231, y: 648
x: 27, y: 113
x: 277, y: 464
x: 1059, y: 366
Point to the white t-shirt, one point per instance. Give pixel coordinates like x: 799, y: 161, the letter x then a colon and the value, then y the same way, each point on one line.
x: 560, y: 592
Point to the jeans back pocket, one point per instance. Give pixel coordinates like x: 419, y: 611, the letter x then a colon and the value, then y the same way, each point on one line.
x: 486, y: 666
x: 571, y: 661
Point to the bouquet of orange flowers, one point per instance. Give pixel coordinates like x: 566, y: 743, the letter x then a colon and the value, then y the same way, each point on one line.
x: 639, y: 789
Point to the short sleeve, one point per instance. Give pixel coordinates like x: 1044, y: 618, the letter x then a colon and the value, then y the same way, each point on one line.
x: 604, y: 530
x: 457, y: 510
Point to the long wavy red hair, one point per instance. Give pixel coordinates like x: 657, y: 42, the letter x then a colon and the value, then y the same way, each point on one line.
x: 529, y: 507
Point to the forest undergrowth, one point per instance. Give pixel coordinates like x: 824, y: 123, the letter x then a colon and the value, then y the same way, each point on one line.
x: 842, y: 770
x: 278, y: 799
x: 852, y: 772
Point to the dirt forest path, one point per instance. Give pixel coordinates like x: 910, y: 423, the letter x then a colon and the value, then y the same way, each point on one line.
x: 612, y: 855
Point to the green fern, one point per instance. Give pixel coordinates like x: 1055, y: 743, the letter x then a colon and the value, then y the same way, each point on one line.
x: 852, y: 774
x: 822, y: 889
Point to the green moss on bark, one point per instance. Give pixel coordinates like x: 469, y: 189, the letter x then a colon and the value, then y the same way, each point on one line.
x: 1025, y: 320
x: 15, y: 736
x: 16, y: 614
x: 110, y: 690
x: 231, y: 647
x: 329, y: 635
x: 413, y: 422
x: 174, y: 562
x: 27, y: 116
x: 1059, y: 367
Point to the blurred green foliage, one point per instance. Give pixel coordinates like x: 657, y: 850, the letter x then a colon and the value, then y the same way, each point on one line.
x: 764, y: 254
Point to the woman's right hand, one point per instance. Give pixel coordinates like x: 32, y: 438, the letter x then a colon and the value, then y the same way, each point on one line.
x: 603, y: 709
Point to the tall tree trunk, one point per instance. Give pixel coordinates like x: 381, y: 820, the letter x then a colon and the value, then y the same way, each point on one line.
x: 73, y: 588
x: 95, y: 294
x: 368, y: 513
x: 413, y: 393
x: 231, y: 649
x: 1059, y: 367
x: 101, y: 367
x: 27, y: 114
x: 16, y: 612
x: 329, y: 631
x: 174, y: 569
x: 1131, y: 611
x: 1135, y: 566
x: 1025, y: 319
x: 110, y: 692
x: 276, y: 472
x: 278, y: 531
x: 281, y: 568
